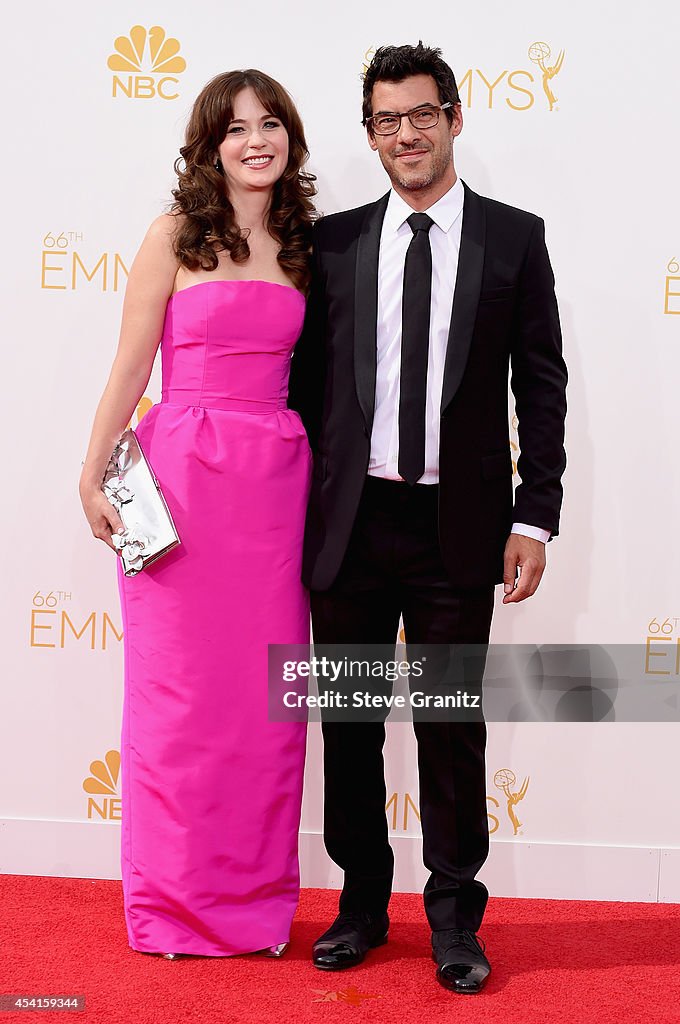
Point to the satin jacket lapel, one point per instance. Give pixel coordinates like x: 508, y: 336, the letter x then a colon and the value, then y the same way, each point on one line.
x: 366, y: 308
x: 466, y: 293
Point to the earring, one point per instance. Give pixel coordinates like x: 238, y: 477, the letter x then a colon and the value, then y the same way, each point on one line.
x: 218, y: 166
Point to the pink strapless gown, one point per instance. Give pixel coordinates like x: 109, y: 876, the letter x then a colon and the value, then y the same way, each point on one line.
x: 211, y: 790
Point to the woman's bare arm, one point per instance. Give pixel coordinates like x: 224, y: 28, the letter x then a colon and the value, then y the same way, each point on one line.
x: 149, y: 286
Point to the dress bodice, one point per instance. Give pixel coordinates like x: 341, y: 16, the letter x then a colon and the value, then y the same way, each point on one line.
x: 228, y: 344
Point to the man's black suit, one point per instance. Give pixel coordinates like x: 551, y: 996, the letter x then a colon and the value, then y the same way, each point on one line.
x: 378, y: 549
x: 504, y: 310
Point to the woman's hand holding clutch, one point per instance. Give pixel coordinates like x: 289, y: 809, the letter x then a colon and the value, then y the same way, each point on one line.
x: 100, y: 513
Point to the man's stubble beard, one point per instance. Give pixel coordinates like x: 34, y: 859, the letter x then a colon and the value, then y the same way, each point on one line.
x: 441, y: 159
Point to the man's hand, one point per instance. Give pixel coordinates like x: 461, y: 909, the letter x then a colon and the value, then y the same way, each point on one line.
x: 529, y: 555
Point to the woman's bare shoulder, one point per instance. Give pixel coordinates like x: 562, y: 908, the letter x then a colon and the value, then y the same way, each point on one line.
x: 165, y: 227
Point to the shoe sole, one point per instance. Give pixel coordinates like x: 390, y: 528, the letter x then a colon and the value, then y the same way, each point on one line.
x: 346, y: 967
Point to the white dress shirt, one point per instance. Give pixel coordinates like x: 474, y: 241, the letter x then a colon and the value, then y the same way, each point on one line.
x: 395, y: 238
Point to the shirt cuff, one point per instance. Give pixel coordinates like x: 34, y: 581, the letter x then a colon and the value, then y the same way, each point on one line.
x: 535, y: 532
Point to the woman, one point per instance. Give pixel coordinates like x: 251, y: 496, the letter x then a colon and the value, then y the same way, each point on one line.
x: 211, y: 788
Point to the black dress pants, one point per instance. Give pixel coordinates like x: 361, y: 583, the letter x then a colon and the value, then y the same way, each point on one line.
x: 393, y: 567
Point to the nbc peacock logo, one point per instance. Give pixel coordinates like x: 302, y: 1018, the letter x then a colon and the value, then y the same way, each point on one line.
x: 101, y: 785
x: 145, y: 63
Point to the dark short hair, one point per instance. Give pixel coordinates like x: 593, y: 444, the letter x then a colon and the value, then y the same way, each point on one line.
x: 395, y: 63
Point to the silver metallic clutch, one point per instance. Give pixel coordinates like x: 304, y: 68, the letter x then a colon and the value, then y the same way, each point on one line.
x: 131, y: 487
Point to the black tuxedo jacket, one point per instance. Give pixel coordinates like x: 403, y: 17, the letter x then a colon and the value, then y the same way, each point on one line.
x: 504, y: 317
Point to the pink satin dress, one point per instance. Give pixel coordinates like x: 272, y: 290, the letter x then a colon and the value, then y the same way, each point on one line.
x: 211, y: 790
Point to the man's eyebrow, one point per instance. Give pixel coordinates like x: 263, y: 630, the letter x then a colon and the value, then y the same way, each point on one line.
x: 420, y: 106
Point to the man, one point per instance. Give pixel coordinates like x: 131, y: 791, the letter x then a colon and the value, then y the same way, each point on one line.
x: 421, y: 302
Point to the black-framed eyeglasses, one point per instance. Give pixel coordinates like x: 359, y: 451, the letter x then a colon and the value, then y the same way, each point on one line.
x: 420, y: 117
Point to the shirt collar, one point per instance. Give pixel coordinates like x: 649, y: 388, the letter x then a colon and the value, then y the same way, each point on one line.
x: 444, y: 212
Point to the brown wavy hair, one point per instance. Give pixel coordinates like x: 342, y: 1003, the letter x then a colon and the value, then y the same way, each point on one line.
x: 208, y: 224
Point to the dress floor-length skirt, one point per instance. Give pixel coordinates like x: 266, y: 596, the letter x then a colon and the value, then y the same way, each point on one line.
x: 211, y: 789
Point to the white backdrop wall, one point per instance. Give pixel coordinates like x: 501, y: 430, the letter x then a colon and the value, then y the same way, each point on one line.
x: 88, y: 164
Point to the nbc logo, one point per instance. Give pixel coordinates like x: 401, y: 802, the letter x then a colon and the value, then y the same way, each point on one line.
x: 102, y: 783
x: 149, y: 51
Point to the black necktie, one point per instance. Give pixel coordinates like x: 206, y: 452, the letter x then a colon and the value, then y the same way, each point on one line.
x: 415, y: 335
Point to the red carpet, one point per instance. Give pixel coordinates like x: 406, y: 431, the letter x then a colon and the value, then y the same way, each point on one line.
x: 552, y: 961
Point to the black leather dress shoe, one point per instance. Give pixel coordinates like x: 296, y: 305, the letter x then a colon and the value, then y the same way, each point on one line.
x: 461, y: 963
x: 348, y: 940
